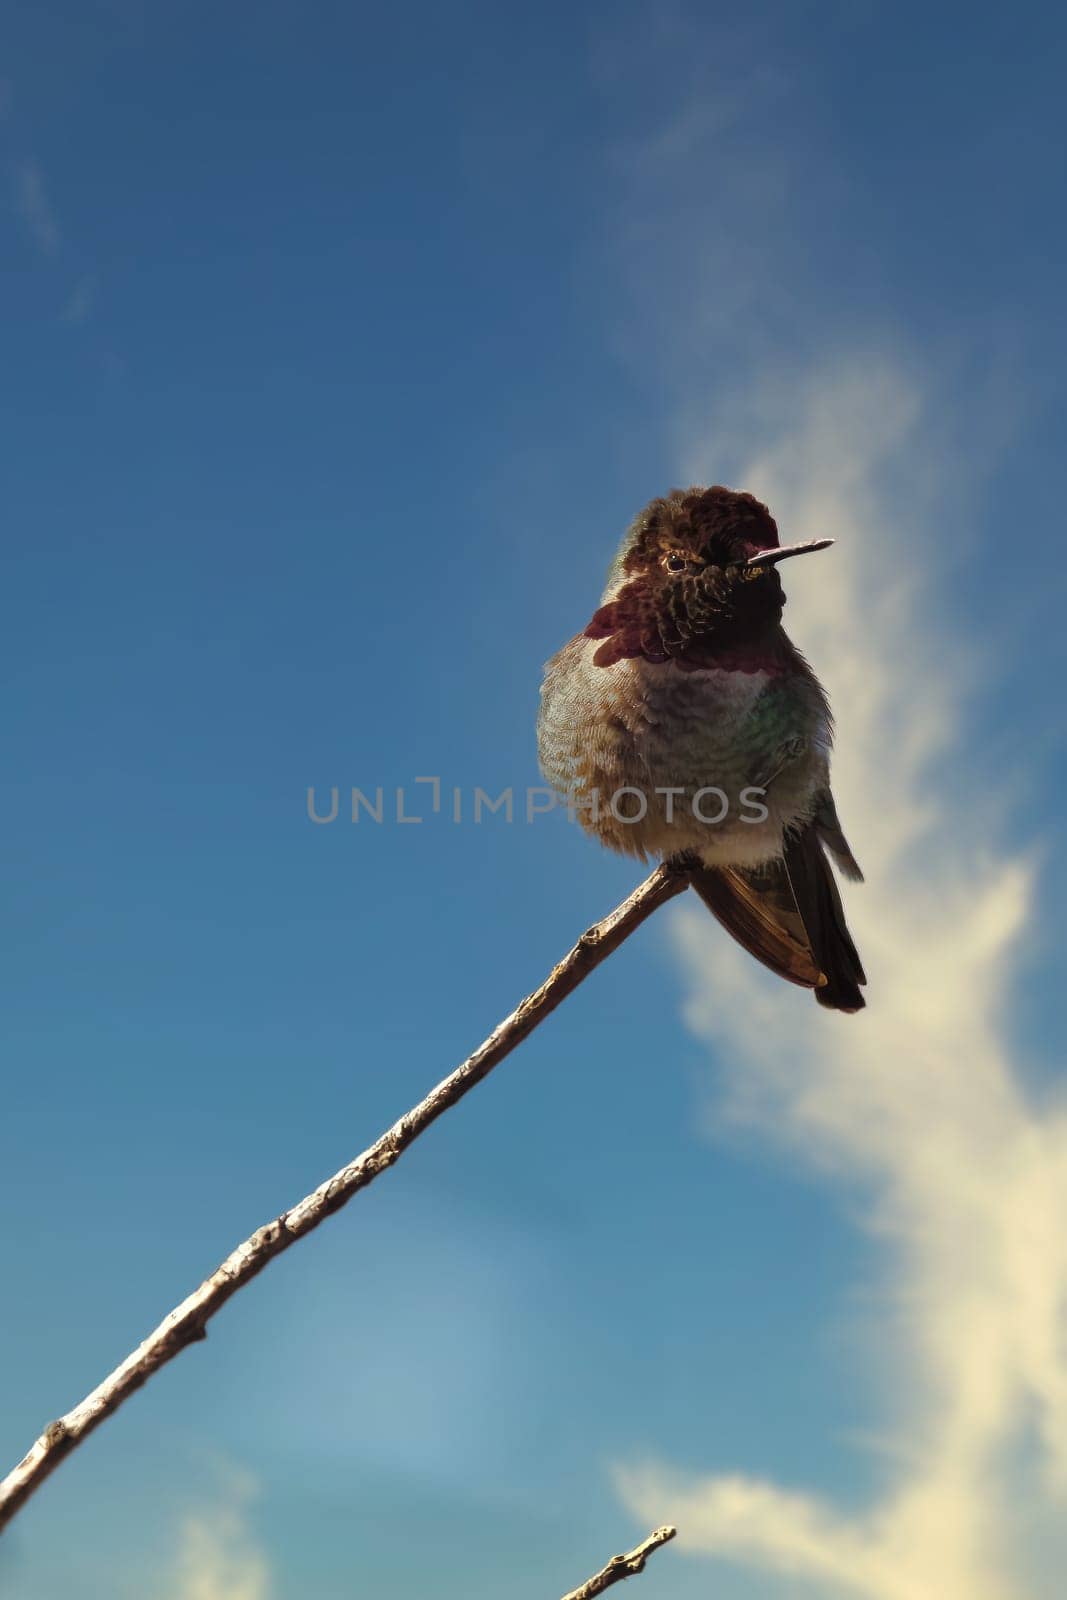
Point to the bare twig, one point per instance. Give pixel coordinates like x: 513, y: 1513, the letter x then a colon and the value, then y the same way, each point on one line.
x: 620, y: 1567
x: 187, y: 1322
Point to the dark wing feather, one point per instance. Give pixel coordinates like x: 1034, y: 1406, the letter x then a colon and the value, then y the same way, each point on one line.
x: 828, y: 827
x: 759, y: 909
x: 819, y: 903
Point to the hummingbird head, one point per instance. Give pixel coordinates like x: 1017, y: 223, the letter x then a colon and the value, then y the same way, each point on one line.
x: 696, y: 572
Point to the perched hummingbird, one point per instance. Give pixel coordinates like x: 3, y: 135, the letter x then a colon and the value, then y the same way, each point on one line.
x: 684, y: 723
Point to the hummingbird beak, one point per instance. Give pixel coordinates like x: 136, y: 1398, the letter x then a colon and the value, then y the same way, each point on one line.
x: 771, y: 558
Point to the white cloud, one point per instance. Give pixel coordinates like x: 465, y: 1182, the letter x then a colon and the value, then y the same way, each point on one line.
x: 917, y: 1099
x: 217, y: 1556
x: 35, y: 208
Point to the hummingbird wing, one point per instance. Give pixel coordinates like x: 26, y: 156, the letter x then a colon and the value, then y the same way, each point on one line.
x: 828, y: 827
x: 818, y: 900
x: 758, y: 907
x: 788, y: 914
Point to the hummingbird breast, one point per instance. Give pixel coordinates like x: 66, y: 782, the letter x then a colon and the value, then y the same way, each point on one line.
x: 658, y: 757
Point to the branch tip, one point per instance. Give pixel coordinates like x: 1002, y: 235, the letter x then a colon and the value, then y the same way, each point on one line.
x: 627, y: 1565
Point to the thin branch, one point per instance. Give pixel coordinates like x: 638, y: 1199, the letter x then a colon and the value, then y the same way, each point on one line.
x: 187, y: 1322
x: 620, y: 1567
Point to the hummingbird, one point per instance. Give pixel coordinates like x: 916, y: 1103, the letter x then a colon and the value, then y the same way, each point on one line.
x: 683, y: 723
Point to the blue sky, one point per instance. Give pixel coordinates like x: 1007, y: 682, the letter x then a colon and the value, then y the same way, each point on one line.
x: 339, y: 350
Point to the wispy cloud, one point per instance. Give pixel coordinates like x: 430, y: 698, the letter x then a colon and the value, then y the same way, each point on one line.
x: 80, y: 302
x: 917, y: 1100
x: 218, y: 1557
x: 35, y: 208
x: 40, y: 220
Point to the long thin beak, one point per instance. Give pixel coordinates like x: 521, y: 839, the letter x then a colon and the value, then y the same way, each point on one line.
x: 771, y: 558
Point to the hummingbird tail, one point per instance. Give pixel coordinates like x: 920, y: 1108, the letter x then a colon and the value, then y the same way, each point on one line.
x: 788, y: 915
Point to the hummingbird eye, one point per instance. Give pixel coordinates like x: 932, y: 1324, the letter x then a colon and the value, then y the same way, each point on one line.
x: 676, y: 563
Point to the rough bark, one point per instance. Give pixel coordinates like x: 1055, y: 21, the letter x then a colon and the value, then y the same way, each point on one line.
x: 187, y: 1323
